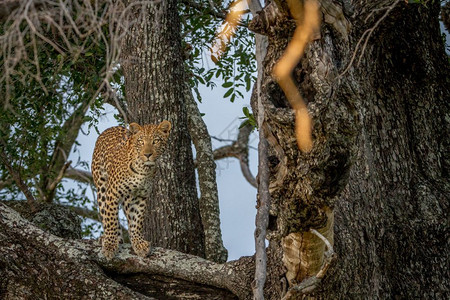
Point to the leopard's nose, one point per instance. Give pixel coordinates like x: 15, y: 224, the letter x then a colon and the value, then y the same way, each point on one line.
x: 147, y: 155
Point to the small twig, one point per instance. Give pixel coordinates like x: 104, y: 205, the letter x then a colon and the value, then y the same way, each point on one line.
x: 366, y: 35
x: 60, y: 176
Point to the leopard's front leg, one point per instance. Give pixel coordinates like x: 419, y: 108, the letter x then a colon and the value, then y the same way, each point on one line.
x: 135, y: 210
x: 109, y: 210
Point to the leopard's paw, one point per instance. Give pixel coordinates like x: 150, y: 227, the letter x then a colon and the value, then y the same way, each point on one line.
x: 109, y: 247
x: 141, y: 247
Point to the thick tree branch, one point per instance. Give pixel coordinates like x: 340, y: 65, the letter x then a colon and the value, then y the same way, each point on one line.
x: 65, y: 267
x: 83, y: 258
x: 206, y: 167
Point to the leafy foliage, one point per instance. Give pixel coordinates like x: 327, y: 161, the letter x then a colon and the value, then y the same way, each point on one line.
x: 235, y: 68
x: 249, y: 119
x: 44, y: 98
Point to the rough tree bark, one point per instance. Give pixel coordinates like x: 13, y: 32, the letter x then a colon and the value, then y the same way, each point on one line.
x: 154, y: 84
x: 380, y: 156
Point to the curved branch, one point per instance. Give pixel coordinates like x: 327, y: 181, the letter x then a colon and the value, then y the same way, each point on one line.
x: 79, y: 175
x: 239, y: 150
x: 84, y: 258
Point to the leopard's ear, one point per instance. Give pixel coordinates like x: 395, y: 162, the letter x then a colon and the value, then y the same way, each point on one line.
x: 165, y: 127
x: 134, y: 128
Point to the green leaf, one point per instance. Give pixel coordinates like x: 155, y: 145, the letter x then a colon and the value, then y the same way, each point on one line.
x: 245, y: 111
x: 228, y: 93
x: 227, y: 84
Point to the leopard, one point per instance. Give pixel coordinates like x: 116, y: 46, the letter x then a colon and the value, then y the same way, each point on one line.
x: 123, y: 165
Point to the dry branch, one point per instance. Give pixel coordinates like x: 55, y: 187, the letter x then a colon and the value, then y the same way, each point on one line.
x: 239, y: 150
x: 263, y: 207
x: 79, y: 175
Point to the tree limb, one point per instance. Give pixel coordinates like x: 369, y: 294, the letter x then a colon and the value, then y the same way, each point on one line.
x: 79, y: 175
x: 206, y: 167
x: 263, y: 204
x: 83, y: 258
x: 239, y: 150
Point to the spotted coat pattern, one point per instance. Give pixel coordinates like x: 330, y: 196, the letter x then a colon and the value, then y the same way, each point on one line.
x: 122, y: 168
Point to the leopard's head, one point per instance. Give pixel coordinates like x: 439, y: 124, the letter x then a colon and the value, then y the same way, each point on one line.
x: 148, y: 141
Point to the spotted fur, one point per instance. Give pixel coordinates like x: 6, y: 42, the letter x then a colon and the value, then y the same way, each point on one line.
x: 122, y: 167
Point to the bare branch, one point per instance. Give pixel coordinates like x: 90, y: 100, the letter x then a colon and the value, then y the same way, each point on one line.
x: 60, y: 176
x: 206, y: 167
x: 263, y: 201
x: 79, y: 175
x: 239, y: 150
x: 85, y: 212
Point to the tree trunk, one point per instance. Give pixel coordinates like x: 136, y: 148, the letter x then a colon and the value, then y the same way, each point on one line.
x: 154, y: 84
x: 380, y: 155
